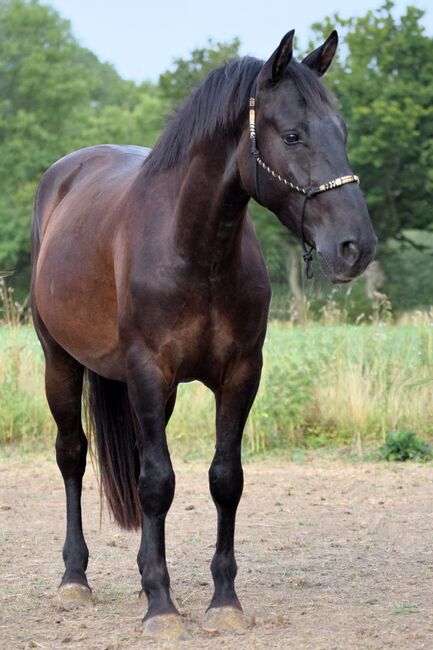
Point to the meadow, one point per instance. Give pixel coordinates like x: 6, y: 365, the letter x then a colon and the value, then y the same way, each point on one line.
x: 323, y: 385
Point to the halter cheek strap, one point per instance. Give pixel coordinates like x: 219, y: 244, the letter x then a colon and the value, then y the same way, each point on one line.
x: 308, y: 192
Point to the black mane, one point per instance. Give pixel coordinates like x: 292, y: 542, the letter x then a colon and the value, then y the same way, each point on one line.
x: 215, y: 106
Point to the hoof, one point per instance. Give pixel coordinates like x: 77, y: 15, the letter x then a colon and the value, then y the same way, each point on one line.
x: 165, y: 627
x: 74, y: 594
x: 225, y: 619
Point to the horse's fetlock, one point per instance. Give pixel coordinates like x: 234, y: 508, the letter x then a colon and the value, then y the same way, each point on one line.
x: 224, y: 567
x: 76, y: 553
x: 155, y: 578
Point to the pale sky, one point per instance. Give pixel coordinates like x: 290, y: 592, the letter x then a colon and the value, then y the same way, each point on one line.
x: 141, y: 37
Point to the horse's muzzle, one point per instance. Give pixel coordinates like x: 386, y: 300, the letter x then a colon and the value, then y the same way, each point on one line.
x: 346, y: 260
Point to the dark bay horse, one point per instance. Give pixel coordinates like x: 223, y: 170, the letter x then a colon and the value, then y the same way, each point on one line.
x: 147, y: 273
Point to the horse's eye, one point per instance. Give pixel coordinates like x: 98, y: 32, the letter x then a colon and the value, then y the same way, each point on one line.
x: 291, y: 138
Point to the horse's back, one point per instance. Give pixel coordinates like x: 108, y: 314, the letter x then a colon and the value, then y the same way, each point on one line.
x: 96, y: 169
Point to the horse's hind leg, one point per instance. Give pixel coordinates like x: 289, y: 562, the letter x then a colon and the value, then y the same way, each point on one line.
x: 233, y: 402
x: 63, y: 385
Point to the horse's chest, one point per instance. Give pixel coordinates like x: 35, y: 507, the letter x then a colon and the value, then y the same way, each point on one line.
x: 205, y: 346
x: 197, y: 330
x: 197, y: 336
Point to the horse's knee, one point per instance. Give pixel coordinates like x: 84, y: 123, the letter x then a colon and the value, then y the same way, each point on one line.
x: 156, y: 487
x: 226, y: 481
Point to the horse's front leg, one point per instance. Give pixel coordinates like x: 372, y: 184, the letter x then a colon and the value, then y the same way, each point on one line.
x: 148, y: 396
x: 233, y: 402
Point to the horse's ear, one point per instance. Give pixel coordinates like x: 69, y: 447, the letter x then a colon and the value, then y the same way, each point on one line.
x: 320, y: 59
x: 276, y: 65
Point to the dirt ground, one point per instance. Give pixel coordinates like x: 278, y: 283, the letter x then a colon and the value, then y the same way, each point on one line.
x: 331, y: 555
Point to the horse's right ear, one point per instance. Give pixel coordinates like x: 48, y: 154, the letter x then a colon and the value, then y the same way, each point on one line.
x: 277, y: 63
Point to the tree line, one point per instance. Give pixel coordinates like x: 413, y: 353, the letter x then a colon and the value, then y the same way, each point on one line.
x: 56, y: 96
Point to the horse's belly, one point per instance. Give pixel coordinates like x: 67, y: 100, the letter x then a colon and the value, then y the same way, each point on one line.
x: 80, y: 313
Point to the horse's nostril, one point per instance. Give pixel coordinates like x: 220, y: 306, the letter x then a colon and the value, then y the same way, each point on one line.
x: 349, y: 251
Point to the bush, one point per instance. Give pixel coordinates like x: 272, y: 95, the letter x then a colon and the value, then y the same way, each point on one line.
x: 404, y: 445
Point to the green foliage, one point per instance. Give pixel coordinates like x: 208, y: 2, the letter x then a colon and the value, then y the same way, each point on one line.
x: 405, y: 445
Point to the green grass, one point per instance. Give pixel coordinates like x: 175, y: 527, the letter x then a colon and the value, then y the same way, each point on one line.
x: 321, y: 386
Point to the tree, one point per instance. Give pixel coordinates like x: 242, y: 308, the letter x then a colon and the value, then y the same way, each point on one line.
x: 55, y: 96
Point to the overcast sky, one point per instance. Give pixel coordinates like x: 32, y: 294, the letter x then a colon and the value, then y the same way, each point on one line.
x: 141, y: 37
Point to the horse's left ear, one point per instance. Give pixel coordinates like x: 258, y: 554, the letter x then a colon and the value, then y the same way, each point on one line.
x: 320, y: 59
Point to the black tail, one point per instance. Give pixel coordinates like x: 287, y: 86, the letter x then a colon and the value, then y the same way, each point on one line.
x: 114, y: 428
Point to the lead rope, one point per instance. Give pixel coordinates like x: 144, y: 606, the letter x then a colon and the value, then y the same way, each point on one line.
x: 307, y: 255
x: 308, y: 192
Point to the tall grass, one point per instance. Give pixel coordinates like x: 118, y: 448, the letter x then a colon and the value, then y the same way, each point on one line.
x: 321, y: 385
x: 24, y: 416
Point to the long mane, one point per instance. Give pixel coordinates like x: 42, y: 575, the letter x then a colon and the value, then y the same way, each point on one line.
x: 214, y: 108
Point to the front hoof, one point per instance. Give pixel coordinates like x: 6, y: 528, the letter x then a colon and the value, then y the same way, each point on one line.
x: 73, y: 594
x: 165, y: 627
x: 225, y: 619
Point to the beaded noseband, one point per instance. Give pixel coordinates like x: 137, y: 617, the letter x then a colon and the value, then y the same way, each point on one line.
x: 308, y: 192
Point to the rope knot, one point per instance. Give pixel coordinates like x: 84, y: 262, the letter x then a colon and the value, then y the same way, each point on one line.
x: 308, y: 261
x: 312, y: 191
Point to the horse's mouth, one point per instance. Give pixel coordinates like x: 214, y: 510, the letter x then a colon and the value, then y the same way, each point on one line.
x: 338, y: 275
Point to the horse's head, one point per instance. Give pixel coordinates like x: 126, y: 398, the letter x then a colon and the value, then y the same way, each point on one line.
x: 298, y: 138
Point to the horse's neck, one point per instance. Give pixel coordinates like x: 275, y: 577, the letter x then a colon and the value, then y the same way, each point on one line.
x: 210, y: 209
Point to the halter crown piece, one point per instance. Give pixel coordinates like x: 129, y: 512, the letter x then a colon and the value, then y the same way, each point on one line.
x: 308, y: 192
